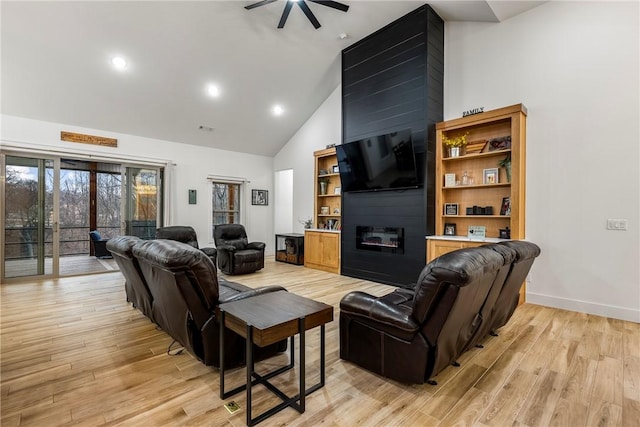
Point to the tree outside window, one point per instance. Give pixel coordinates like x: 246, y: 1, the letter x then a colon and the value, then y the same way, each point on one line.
x: 226, y: 203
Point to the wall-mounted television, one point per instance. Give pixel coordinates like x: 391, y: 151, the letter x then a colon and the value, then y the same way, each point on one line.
x: 383, y: 162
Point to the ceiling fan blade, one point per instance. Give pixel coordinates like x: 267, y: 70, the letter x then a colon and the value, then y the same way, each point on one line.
x: 285, y: 14
x: 309, y: 14
x: 260, y: 3
x: 334, y: 4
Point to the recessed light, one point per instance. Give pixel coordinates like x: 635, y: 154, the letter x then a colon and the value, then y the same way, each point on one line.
x: 119, y: 62
x: 277, y: 110
x: 213, y: 90
x: 343, y: 36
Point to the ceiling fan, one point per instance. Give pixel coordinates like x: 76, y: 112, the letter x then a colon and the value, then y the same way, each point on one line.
x: 305, y: 8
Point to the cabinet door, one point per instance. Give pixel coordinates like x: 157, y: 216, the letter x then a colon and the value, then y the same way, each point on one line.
x: 435, y: 248
x: 330, y: 250
x: 313, y: 248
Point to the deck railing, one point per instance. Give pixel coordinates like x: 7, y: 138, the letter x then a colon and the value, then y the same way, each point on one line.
x: 22, y: 242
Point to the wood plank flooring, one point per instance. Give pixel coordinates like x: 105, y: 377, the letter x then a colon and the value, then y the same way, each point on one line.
x: 74, y: 352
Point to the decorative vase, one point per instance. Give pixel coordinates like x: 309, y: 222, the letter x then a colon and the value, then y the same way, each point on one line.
x: 454, y: 151
x: 323, y: 188
x: 508, y: 171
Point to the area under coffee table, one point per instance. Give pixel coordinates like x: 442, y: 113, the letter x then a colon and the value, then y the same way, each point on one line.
x: 266, y: 319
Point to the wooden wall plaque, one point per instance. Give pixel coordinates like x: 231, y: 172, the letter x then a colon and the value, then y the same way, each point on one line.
x: 88, y: 139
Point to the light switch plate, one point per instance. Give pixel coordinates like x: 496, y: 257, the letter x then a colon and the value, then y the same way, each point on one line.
x: 617, y: 224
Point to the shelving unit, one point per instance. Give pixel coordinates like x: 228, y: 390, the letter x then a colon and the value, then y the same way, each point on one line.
x: 491, y: 125
x: 325, y: 160
x: 323, y: 242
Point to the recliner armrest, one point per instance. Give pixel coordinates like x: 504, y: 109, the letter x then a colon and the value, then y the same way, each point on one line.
x: 391, y: 318
x: 253, y: 293
x: 209, y: 251
x: 228, y: 248
x: 256, y: 245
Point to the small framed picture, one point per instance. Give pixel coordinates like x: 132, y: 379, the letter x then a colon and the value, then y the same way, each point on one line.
x: 337, y: 190
x: 335, y: 169
x: 324, y: 210
x: 451, y: 209
x: 259, y: 197
x: 449, y: 179
x: 505, y: 209
x: 490, y: 176
x: 449, y: 229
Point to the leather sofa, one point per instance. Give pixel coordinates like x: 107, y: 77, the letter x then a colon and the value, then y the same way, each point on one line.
x: 411, y: 335
x: 185, y: 234
x: 236, y: 255
x: 136, y: 288
x: 184, y: 292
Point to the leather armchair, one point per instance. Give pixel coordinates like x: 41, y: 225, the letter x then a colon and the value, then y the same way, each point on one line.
x: 99, y: 245
x: 186, y: 292
x: 185, y: 234
x: 236, y: 255
x: 138, y: 293
x: 412, y: 335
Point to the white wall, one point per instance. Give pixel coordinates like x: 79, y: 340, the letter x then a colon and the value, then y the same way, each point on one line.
x: 193, y: 164
x: 574, y: 65
x: 283, y: 201
x: 324, y: 127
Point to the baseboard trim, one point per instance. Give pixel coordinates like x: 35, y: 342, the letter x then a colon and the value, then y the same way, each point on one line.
x: 612, y: 311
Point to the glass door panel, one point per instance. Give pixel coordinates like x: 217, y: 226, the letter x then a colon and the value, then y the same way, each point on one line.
x: 142, y: 204
x: 30, y: 221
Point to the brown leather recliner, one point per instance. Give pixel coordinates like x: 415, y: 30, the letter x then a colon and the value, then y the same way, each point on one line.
x: 236, y: 255
x: 138, y: 294
x: 184, y: 284
x: 412, y: 335
x: 185, y: 234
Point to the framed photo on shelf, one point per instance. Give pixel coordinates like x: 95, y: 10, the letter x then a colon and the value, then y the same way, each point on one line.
x: 260, y: 197
x: 490, y: 176
x: 324, y: 210
x: 335, y: 169
x: 449, y: 179
x: 505, y: 209
x: 337, y: 190
x: 451, y: 209
x: 449, y: 229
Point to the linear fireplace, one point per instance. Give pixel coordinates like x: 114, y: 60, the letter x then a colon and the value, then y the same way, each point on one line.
x: 380, y: 239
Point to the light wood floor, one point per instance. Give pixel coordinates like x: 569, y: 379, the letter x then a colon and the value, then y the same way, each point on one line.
x: 74, y: 352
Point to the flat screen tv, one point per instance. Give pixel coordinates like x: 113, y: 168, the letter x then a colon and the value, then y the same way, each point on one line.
x: 383, y: 162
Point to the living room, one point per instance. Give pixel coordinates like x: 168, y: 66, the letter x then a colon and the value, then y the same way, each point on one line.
x: 575, y: 67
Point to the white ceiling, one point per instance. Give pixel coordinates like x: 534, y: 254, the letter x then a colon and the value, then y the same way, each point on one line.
x: 56, y: 64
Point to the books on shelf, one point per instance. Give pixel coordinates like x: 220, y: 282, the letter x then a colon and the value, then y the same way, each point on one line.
x: 332, y: 224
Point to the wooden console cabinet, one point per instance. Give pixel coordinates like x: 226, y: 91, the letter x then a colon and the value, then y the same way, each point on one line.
x: 322, y: 249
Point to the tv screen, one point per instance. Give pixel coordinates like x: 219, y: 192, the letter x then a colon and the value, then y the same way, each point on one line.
x: 384, y: 162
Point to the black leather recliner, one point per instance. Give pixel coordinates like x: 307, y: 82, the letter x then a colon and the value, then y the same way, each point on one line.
x: 236, y: 255
x: 412, y: 335
x: 186, y: 292
x: 135, y: 285
x: 185, y: 234
x: 99, y: 245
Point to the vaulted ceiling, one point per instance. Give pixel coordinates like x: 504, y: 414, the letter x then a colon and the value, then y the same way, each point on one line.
x: 56, y: 64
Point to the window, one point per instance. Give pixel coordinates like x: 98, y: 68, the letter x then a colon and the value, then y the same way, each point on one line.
x: 226, y: 202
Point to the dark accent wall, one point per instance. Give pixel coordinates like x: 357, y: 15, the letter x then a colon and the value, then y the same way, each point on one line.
x: 393, y: 80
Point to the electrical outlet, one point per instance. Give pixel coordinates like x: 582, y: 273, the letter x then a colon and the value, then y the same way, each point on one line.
x: 617, y: 224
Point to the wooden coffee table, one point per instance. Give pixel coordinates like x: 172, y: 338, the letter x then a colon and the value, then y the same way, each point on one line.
x: 266, y: 319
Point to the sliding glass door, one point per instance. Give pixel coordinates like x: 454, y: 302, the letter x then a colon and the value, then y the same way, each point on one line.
x: 49, y: 205
x: 30, y: 220
x: 141, y: 209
